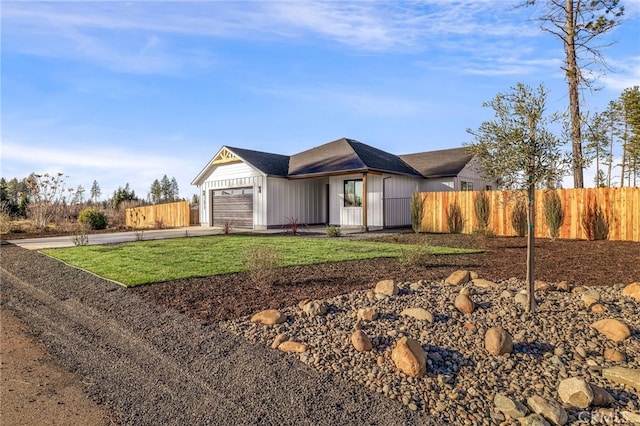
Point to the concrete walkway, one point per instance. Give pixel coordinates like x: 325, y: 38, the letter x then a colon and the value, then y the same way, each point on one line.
x: 153, y: 234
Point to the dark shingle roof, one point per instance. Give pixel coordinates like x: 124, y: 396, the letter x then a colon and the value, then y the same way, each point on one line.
x: 268, y: 163
x: 442, y: 163
x: 344, y: 156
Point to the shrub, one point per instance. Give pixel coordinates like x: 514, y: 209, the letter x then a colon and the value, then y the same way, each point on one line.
x: 333, y: 231
x: 519, y: 218
x: 417, y: 211
x: 93, y: 218
x: 262, y: 264
x: 553, y: 213
x: 482, y: 207
x: 455, y: 221
x: 226, y: 228
x: 293, y: 225
x: 415, y: 256
x: 80, y: 237
x: 594, y: 222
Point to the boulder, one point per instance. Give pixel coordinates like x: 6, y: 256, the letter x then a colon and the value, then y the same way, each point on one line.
x: 534, y: 420
x: 509, y: 406
x: 522, y: 298
x: 457, y: 278
x: 597, y: 308
x: 280, y: 338
x: 292, y: 346
x: 367, y: 314
x: 482, y: 283
x: 612, y: 328
x: 614, y: 355
x: 550, y: 410
x: 633, y: 418
x: 420, y: 314
x: 632, y: 290
x: 498, y: 341
x: 409, y: 357
x: 563, y: 286
x: 269, y: 317
x: 464, y: 304
x: 386, y: 287
x: 361, y: 341
x: 601, y: 398
x: 576, y: 392
x: 315, y: 308
x: 590, y: 297
x: 541, y: 286
x: 623, y: 376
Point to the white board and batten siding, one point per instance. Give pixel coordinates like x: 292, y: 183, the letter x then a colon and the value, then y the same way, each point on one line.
x: 226, y: 176
x: 378, y: 188
x: 301, y: 200
x: 398, y: 191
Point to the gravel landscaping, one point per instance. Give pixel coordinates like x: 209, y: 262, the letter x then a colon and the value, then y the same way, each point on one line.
x: 185, y: 352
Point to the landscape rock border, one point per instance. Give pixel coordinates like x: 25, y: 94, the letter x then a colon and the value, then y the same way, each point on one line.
x: 461, y: 378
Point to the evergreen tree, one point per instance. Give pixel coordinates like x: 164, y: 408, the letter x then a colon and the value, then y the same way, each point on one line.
x: 577, y: 24
x: 95, y: 191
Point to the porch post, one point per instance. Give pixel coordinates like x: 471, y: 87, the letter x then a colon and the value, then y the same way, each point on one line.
x: 364, y: 201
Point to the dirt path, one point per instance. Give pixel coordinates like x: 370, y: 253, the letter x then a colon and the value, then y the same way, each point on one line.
x: 151, y: 365
x: 35, y: 390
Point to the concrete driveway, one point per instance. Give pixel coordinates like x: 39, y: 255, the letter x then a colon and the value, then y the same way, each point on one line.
x: 115, y: 237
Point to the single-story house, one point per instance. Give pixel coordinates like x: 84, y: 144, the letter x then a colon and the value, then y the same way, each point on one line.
x: 344, y: 183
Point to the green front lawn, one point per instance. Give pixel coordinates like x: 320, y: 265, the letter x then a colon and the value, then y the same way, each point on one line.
x: 144, y: 262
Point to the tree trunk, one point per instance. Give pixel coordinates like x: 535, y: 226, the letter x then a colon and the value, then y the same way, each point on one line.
x: 573, y: 79
x: 531, y: 219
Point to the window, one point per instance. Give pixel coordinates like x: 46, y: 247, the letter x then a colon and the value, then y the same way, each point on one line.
x: 353, y: 193
x: 466, y: 186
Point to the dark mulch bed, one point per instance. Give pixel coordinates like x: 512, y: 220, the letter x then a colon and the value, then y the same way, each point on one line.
x: 589, y: 263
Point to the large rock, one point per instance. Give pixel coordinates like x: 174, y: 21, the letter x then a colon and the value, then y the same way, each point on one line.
x: 534, y: 420
x: 550, y: 410
x: 601, y: 398
x: 631, y: 417
x: 292, y: 346
x: 498, y: 341
x: 315, y: 308
x: 482, y: 283
x: 457, y: 278
x: 614, y: 355
x: 509, y: 406
x: 386, y: 287
x: 418, y: 313
x: 280, y: 338
x: 612, y: 328
x: 269, y: 317
x: 367, y: 314
x: 361, y: 341
x: 590, y: 297
x: 464, y: 304
x: 409, y: 357
x: 576, y: 392
x: 623, y: 376
x: 632, y: 290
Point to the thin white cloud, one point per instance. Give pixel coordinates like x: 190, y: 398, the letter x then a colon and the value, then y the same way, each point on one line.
x: 347, y: 99
x: 624, y: 74
x: 49, y: 157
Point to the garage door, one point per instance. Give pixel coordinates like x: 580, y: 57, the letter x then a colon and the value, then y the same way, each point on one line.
x: 233, y: 206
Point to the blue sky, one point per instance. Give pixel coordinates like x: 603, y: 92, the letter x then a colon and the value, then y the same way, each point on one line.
x: 125, y: 92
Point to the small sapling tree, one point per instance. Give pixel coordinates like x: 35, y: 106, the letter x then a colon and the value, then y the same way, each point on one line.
x: 517, y: 149
x: 417, y: 211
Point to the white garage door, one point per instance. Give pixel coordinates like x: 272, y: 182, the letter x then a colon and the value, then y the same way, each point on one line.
x: 234, y: 207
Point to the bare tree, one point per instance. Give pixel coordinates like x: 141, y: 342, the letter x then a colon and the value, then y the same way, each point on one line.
x: 47, y: 198
x: 577, y: 23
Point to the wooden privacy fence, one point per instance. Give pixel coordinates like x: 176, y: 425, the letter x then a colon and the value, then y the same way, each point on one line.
x: 168, y: 215
x: 621, y: 207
